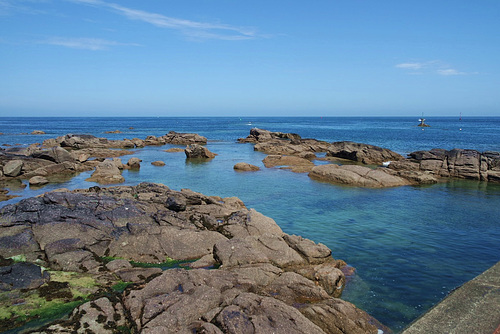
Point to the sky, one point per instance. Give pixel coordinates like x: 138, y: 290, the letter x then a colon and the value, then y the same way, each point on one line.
x: 249, y: 58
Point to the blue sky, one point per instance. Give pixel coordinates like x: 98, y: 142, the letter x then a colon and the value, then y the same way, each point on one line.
x: 249, y: 58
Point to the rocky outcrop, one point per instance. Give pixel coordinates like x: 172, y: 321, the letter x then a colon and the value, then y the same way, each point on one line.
x: 359, y: 176
x: 266, y: 280
x: 196, y: 151
x: 456, y: 163
x: 184, y: 138
x: 279, y: 143
x: 364, y: 153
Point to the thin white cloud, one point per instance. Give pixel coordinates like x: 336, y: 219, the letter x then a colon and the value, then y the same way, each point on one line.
x: 449, y: 71
x: 428, y: 67
x: 8, y: 7
x: 411, y: 66
x: 202, y: 30
x: 93, y: 44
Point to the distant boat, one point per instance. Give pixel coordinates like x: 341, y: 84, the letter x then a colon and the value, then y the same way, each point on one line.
x: 422, y: 123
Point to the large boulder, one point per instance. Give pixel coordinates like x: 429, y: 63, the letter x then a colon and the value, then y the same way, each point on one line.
x: 364, y: 153
x: 13, y: 168
x: 106, y: 172
x: 55, y: 154
x: 196, y: 151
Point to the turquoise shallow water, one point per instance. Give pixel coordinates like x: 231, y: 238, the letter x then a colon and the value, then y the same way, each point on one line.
x: 410, y: 245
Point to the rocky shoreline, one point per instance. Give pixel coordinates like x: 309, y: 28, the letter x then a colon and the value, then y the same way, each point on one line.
x: 345, y: 163
x: 247, y: 275
x: 364, y: 165
x: 102, y: 251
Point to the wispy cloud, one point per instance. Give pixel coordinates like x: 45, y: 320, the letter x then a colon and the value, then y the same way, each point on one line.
x: 193, y: 29
x: 8, y: 7
x: 93, y: 44
x: 450, y: 71
x: 410, y: 66
x: 432, y: 66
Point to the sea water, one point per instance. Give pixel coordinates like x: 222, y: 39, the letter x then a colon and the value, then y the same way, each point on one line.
x: 410, y: 245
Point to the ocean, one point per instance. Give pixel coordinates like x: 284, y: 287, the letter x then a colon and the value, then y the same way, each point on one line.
x: 410, y: 245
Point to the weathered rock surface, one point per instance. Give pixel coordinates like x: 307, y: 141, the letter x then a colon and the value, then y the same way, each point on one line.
x: 267, y: 281
x: 158, y: 163
x: 184, y: 138
x: 13, y: 168
x: 279, y: 143
x: 106, y: 172
x: 54, y: 154
x: 245, y: 167
x: 134, y: 163
x: 457, y: 163
x: 365, y: 153
x: 196, y: 151
x: 22, y: 275
x: 38, y: 181
x: 357, y: 176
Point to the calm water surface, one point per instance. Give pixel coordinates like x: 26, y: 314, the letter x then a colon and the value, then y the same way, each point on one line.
x: 410, y: 245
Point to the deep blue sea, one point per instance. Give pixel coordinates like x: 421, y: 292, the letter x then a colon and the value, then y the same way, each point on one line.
x: 410, y: 245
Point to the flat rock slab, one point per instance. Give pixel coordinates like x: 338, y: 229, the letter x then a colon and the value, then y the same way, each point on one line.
x: 472, y: 308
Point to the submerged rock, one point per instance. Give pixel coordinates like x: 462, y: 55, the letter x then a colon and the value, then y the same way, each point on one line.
x: 246, y: 167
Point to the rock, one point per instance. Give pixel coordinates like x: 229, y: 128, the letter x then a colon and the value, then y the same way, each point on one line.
x: 256, y: 249
x: 264, y: 279
x: 115, y: 131
x: 106, y: 172
x: 365, y: 153
x: 196, y: 151
x: 134, y: 163
x: 37, y: 132
x: 246, y: 167
x: 260, y: 135
x: 174, y: 150
x: 137, y: 275
x: 456, y: 163
x: 158, y: 163
x: 296, y: 164
x: 13, y: 168
x: 54, y: 154
x: 83, y: 157
x: 118, y: 264
x: 314, y: 253
x: 357, y: 176
x: 177, y: 138
x: 22, y: 275
x: 251, y: 313
x: 99, y: 316
x: 38, y: 181
x: 336, y: 316
x: 118, y: 163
